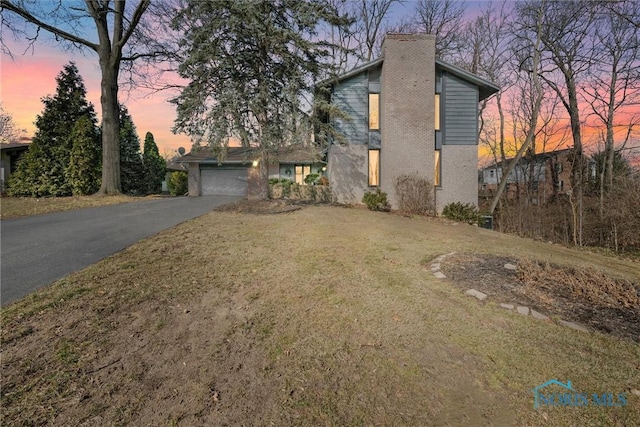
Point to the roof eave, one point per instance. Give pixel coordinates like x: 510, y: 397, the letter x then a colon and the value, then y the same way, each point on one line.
x: 486, y: 87
x: 354, y: 71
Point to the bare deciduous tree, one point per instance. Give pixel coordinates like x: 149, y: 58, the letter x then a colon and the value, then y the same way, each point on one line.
x: 114, y: 23
x: 566, y: 57
x: 614, y: 81
x: 372, y: 15
x: 8, y: 129
x: 361, y: 39
x: 533, y: 64
x: 487, y: 52
x: 445, y: 20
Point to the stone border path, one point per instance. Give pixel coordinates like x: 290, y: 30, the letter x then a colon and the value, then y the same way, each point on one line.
x: 481, y: 296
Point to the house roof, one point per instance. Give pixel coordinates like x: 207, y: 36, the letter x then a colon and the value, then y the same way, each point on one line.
x: 486, y: 87
x: 176, y: 165
x: 14, y: 144
x: 524, y: 159
x: 209, y: 155
x: 245, y: 155
x: 353, y: 72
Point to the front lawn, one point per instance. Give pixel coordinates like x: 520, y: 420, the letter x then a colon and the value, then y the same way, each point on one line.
x: 318, y: 316
x: 14, y: 207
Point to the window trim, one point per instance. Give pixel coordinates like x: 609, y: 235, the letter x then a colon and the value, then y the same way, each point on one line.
x: 295, y: 173
x: 437, y: 168
x: 377, y: 115
x: 437, y: 119
x: 377, y: 169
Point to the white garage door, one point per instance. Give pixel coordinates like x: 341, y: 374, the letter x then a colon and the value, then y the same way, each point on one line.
x: 227, y: 181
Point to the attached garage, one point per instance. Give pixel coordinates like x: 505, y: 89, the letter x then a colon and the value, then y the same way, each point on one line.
x: 229, y: 181
x: 231, y: 175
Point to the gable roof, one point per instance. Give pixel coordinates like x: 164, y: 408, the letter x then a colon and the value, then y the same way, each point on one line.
x: 245, y: 155
x: 486, y: 87
x: 14, y: 144
x: 526, y: 160
x: 353, y: 72
x: 239, y: 155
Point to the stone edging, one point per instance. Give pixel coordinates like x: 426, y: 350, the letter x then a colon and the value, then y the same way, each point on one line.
x: 524, y: 310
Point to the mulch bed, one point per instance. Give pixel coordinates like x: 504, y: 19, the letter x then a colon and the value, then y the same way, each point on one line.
x: 588, y: 297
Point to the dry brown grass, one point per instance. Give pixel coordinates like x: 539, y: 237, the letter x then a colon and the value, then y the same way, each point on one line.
x: 322, y: 316
x: 14, y: 207
x: 584, y: 285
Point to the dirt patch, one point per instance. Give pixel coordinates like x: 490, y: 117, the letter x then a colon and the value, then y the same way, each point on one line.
x: 585, y: 296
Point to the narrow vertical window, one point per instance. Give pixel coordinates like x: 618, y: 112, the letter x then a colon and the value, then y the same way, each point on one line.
x: 374, y: 168
x: 301, y: 173
x: 374, y: 111
x: 436, y: 172
x: 437, y: 112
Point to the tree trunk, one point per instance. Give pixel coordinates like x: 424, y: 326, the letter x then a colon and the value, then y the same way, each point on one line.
x: 533, y: 120
x: 110, y: 130
x: 578, y: 164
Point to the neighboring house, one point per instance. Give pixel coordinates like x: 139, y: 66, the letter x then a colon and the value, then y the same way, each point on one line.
x: 10, y: 153
x: 538, y: 178
x: 173, y: 165
x: 211, y: 173
x: 410, y: 114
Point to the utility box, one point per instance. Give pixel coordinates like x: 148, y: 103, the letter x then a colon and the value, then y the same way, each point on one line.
x: 487, y: 222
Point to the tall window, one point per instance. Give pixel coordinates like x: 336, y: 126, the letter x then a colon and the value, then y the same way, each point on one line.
x: 374, y: 111
x: 301, y: 173
x: 437, y: 169
x: 437, y: 112
x: 374, y: 168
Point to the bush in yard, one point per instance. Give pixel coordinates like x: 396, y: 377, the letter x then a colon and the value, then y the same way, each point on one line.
x: 178, y: 183
x: 462, y: 212
x: 376, y: 201
x: 280, y: 188
x: 311, y: 179
x: 414, y: 194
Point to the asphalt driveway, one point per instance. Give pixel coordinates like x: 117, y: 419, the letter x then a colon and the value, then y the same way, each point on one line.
x: 38, y: 250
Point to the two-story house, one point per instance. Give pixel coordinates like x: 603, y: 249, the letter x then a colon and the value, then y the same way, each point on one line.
x: 410, y: 113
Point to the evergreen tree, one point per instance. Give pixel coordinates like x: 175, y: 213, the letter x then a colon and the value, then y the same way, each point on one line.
x: 248, y: 64
x: 154, y: 165
x: 131, y: 169
x: 83, y: 173
x: 42, y: 171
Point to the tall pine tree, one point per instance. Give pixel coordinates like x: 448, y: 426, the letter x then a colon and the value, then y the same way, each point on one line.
x: 131, y: 169
x: 43, y: 169
x: 83, y: 173
x: 248, y: 64
x: 154, y: 165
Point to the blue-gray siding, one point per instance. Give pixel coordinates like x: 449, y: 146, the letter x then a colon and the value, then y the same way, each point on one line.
x: 352, y: 97
x: 460, y: 111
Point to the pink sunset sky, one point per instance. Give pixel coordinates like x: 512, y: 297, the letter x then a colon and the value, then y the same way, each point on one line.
x: 30, y: 76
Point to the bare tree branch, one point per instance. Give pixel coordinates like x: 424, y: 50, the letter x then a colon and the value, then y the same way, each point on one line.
x: 23, y: 13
